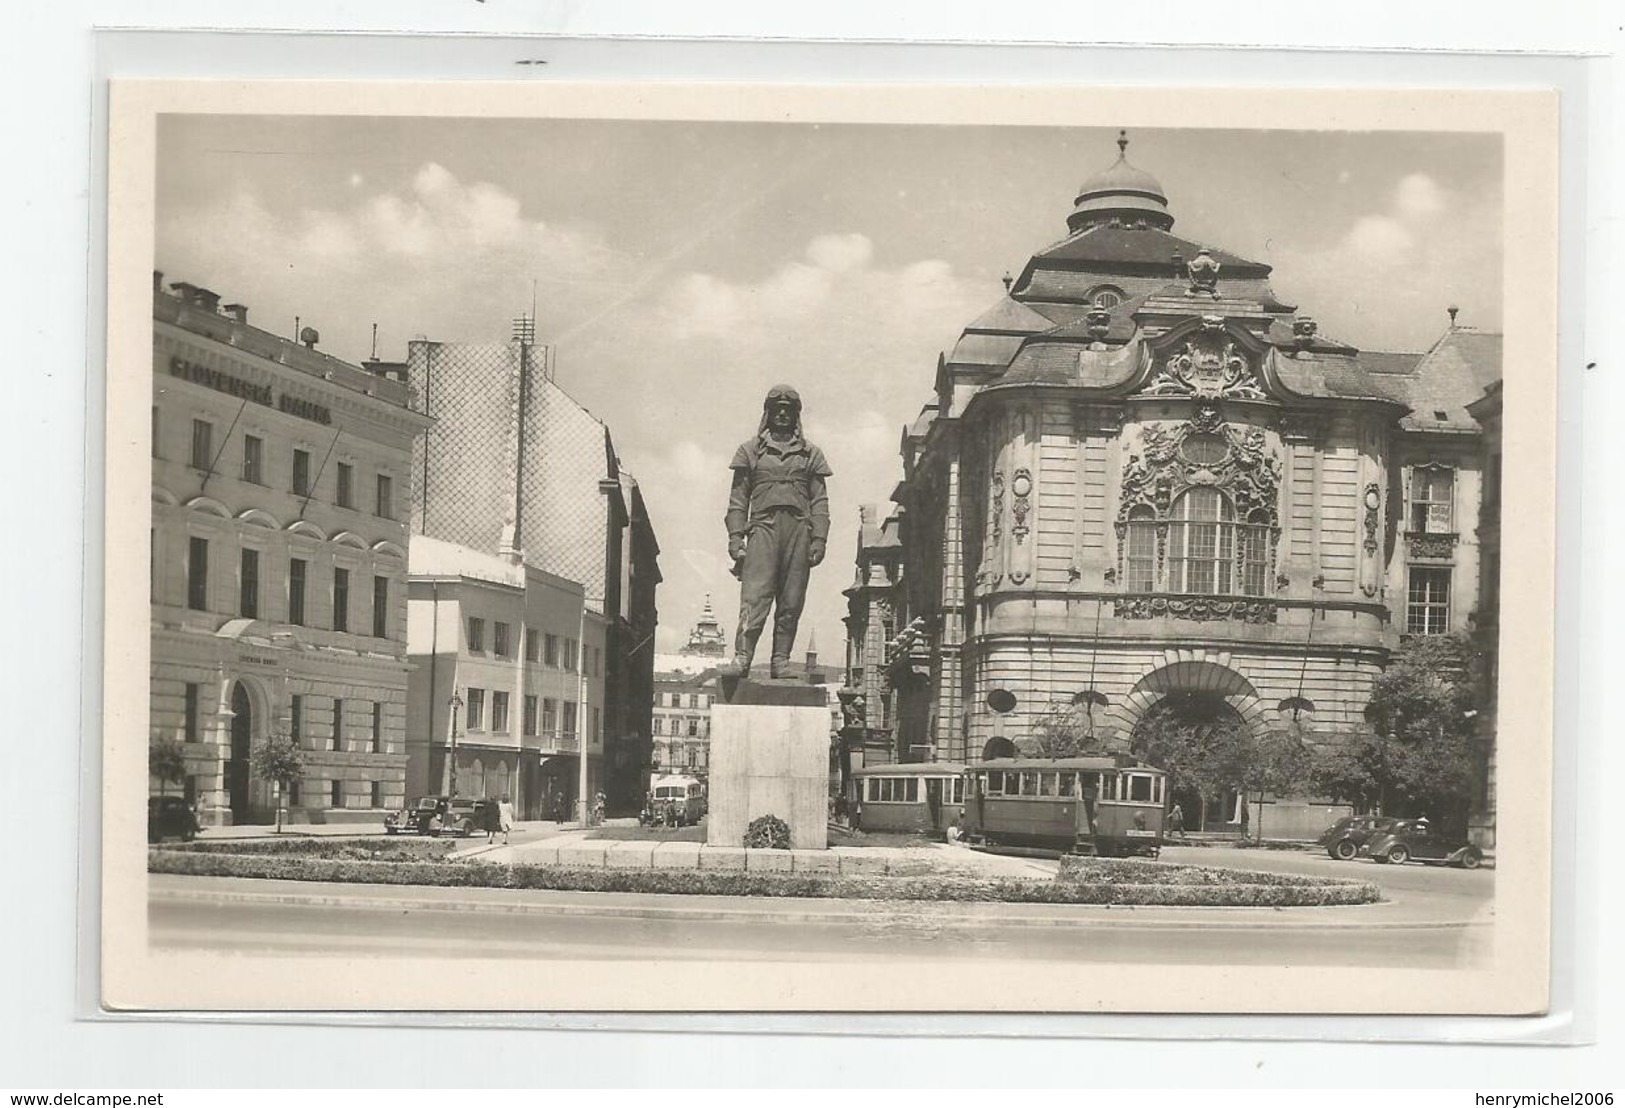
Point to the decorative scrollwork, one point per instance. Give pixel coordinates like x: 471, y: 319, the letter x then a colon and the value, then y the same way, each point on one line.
x: 998, y: 508
x: 1021, y: 488
x: 1373, y: 519
x: 1210, y: 365
x: 1424, y: 545
x: 1159, y: 606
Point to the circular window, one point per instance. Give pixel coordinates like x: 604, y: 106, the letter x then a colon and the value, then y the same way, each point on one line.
x: 1001, y: 700
x: 1204, y: 450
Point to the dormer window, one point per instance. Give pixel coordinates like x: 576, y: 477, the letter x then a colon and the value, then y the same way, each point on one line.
x: 1105, y: 296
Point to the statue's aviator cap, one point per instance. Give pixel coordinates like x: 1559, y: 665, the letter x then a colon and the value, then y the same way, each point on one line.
x: 782, y: 394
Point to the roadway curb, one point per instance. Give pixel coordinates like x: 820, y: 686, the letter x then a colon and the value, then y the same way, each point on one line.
x: 942, y: 913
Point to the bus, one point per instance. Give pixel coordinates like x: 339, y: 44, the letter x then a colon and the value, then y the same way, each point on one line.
x: 910, y: 796
x: 685, y: 794
x: 1110, y: 805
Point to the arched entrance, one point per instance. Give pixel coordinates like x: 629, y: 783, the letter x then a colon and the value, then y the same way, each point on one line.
x: 238, y: 771
x: 1197, y: 737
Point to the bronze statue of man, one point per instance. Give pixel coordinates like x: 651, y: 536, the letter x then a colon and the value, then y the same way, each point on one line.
x: 778, y: 524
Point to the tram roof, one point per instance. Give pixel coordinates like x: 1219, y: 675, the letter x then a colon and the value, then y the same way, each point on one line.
x: 912, y: 769
x: 1098, y: 761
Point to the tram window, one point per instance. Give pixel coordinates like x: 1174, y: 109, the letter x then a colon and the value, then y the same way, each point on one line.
x: 1046, y: 784
x: 1069, y: 784
x: 912, y: 790
x: 995, y: 783
x: 1029, y: 783
x: 1139, y: 787
x: 957, y: 787
x: 1108, y: 786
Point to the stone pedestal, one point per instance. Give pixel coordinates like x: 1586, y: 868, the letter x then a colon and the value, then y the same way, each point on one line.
x: 769, y: 755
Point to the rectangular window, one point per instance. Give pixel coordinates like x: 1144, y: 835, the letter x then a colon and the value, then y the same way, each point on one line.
x: 293, y: 792
x: 341, y: 599
x: 377, y: 794
x: 380, y: 607
x: 693, y: 700
x: 197, y: 575
x: 476, y: 633
x: 550, y: 715
x: 377, y: 744
x: 301, y: 473
x: 1253, y: 540
x: 657, y: 727
x: 597, y: 723
x: 346, y: 494
x: 202, y: 444
x: 335, y: 794
x: 570, y: 717
x: 386, y: 497
x: 693, y: 727
x: 296, y: 591
x: 1427, y: 609
x: 476, y: 709
x: 1432, y: 495
x: 335, y: 741
x: 551, y: 653
x: 529, y: 719
x: 254, y: 459
x: 248, y: 601
x: 499, y: 711
x: 533, y: 646
x: 190, y: 727
x: 499, y: 640
x: 570, y: 648
x: 296, y: 720
x: 1139, y: 787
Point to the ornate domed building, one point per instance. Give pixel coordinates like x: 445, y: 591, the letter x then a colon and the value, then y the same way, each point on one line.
x: 1144, y: 485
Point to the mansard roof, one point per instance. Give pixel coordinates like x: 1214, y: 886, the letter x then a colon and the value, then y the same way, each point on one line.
x: 1451, y: 375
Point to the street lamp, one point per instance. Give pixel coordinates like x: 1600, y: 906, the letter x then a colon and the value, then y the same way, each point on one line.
x: 455, y: 703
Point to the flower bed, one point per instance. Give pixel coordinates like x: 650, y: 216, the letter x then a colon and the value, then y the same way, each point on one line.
x: 1241, y: 891
x: 359, y: 850
x: 1131, y: 871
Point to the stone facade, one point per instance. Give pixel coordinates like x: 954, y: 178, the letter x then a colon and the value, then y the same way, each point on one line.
x: 279, y: 557
x: 1141, y: 475
x: 516, y: 465
x: 524, y: 660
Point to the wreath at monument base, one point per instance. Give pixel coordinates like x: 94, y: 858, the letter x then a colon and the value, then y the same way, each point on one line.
x: 767, y: 833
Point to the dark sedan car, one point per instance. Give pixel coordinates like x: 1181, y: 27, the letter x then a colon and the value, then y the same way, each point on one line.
x: 1417, y: 841
x: 419, y: 818
x: 170, y: 815
x: 1344, y: 838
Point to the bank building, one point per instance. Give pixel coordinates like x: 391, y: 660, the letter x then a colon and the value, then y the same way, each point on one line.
x: 278, y: 562
x: 1142, y: 483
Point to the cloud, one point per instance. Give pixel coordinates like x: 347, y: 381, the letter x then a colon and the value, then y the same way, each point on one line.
x: 1380, y: 238
x: 1418, y: 196
x: 839, y: 253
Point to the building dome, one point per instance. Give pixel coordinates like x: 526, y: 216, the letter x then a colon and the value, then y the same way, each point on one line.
x: 1123, y: 194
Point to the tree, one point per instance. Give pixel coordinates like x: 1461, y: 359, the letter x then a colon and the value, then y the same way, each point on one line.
x: 166, y: 760
x: 1061, y: 733
x: 280, y: 759
x: 1199, y: 741
x: 1416, y: 757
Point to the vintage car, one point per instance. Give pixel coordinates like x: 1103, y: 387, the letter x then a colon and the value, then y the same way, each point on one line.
x: 1344, y: 838
x: 421, y: 817
x: 1415, y: 840
x: 170, y: 815
x: 464, y: 815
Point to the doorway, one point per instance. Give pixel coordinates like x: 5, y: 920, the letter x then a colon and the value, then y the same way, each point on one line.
x: 237, y: 765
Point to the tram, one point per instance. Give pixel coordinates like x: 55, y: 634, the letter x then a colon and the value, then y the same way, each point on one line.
x: 1099, y: 804
x: 910, y: 796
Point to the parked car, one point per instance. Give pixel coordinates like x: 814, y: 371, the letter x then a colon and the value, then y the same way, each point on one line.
x: 1344, y: 838
x: 1417, y: 841
x: 463, y: 816
x: 171, y: 815
x: 417, y: 818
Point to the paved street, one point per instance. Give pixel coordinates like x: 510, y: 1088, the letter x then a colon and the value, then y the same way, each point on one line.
x: 1434, y: 918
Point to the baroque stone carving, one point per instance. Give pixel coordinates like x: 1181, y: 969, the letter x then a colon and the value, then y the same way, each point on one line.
x: 1373, y: 519
x: 1303, y: 332
x: 1208, y: 365
x: 1423, y: 545
x: 1248, y: 474
x: 1204, y: 274
x: 998, y: 508
x: 1021, y: 488
x: 1156, y: 606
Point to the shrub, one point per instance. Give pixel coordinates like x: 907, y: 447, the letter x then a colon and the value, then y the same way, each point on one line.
x: 288, y: 866
x: 767, y: 833
x: 377, y: 850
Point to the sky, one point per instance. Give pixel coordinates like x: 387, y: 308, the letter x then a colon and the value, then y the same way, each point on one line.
x: 681, y: 269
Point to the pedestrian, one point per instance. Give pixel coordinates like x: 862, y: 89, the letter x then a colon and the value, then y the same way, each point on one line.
x: 1176, y: 822
x: 598, y: 807
x: 671, y: 813
x: 493, y: 819
x: 505, y: 809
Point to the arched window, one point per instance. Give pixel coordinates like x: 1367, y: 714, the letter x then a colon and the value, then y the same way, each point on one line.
x: 1141, y: 559
x: 1254, y: 542
x: 1202, y: 543
x: 1106, y: 296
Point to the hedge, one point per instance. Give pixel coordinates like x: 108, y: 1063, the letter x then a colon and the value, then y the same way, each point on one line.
x: 1134, y: 872
x: 361, y: 850
x: 762, y: 884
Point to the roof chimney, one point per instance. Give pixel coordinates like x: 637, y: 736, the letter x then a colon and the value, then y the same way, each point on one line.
x: 1452, y: 310
x: 310, y: 337
x: 239, y: 312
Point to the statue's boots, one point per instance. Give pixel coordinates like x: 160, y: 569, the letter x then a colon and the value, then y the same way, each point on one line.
x: 780, y: 667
